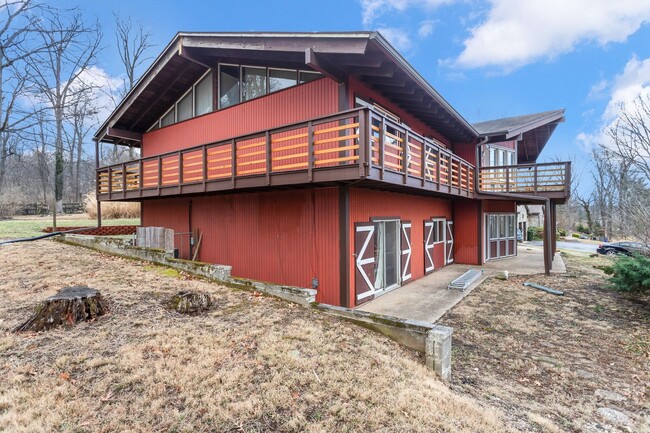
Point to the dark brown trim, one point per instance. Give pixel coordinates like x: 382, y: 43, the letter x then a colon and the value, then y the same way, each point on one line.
x: 479, y: 204
x: 385, y: 218
x: 344, y: 245
x: 344, y: 96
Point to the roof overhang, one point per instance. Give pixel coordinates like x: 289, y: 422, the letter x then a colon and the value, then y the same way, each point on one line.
x: 364, y: 55
x: 531, y: 132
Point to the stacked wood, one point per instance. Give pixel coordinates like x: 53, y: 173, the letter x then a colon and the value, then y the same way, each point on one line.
x: 71, y: 305
x: 155, y: 237
x: 187, y: 302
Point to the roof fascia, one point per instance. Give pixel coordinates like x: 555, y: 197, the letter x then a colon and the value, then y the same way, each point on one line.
x: 390, y: 51
x: 165, y: 56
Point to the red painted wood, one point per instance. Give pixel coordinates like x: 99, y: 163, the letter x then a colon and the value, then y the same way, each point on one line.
x: 284, y: 237
x: 366, y: 204
x: 466, y: 231
x: 295, y: 104
x: 499, y: 206
x: 438, y: 255
x: 467, y: 151
x: 361, y: 90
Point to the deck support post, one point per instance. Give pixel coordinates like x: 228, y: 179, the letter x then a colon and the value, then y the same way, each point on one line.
x: 344, y: 245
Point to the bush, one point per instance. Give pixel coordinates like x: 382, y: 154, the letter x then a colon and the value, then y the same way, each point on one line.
x: 575, y: 235
x: 582, y: 229
x: 111, y: 209
x: 535, y: 233
x: 561, y: 232
x: 631, y: 274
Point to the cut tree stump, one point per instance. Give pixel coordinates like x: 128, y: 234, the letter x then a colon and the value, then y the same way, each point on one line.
x: 187, y: 302
x: 69, y: 306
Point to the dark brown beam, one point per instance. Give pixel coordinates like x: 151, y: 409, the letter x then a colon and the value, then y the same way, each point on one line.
x: 386, y: 71
x: 318, y: 63
x: 289, y: 43
x: 160, y: 95
x: 187, y: 54
x: 124, y: 134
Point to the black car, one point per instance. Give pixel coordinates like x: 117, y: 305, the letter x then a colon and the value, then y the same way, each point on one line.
x: 627, y: 248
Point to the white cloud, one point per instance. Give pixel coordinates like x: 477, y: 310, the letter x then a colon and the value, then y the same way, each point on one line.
x: 598, y: 89
x: 373, y: 9
x: 516, y: 32
x: 397, y: 37
x: 426, y: 28
x: 633, y: 82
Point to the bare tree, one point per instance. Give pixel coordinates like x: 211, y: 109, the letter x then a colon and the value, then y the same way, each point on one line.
x: 133, y: 42
x: 18, y: 22
x: 630, y: 134
x: 58, y: 73
x: 82, y: 117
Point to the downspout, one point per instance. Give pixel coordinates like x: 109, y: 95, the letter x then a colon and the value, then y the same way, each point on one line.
x: 547, y: 207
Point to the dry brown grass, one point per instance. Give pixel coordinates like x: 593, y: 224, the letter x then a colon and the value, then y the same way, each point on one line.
x: 111, y: 209
x: 541, y: 358
x: 252, y: 364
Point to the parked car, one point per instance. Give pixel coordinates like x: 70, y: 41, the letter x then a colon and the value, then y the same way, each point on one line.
x: 627, y: 248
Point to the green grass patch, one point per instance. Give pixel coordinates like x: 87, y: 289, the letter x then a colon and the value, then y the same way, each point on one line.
x: 22, y: 227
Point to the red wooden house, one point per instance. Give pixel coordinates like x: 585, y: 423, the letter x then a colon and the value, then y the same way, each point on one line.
x: 322, y: 160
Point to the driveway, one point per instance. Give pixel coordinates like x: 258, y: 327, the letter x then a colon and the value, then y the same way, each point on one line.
x: 570, y: 245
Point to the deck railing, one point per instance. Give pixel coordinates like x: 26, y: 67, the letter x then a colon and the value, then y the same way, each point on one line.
x: 361, y: 138
x: 553, y: 177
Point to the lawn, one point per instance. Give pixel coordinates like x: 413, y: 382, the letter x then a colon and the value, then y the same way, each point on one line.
x: 23, y: 227
x: 556, y: 363
x: 252, y: 364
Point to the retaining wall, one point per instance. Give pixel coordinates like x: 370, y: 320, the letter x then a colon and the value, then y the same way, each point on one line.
x: 432, y: 340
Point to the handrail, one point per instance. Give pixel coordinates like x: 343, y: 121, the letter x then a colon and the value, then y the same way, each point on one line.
x: 347, y: 138
x: 548, y: 177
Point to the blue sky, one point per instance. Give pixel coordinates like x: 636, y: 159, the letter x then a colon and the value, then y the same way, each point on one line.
x: 489, y: 59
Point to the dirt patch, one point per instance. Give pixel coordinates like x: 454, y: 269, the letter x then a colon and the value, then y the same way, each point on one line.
x: 250, y: 364
x: 554, y: 363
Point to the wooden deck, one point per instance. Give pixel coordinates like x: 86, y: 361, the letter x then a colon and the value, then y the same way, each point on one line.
x: 551, y: 180
x: 358, y: 144
x: 354, y: 145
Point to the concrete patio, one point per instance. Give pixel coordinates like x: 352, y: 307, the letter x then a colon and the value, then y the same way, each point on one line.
x: 428, y: 298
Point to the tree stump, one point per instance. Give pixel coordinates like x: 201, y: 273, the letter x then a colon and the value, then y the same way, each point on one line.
x: 69, y: 306
x: 187, y: 302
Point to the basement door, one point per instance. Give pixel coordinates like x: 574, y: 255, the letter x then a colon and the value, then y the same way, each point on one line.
x: 382, y: 257
x: 435, y: 244
x: 500, y: 235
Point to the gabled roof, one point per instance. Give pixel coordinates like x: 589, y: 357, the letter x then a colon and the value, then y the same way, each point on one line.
x: 532, y: 131
x: 364, y: 55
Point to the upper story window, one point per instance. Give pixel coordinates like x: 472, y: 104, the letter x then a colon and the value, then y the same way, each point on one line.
x: 497, y: 156
x: 196, y: 101
x: 240, y: 83
x: 236, y: 83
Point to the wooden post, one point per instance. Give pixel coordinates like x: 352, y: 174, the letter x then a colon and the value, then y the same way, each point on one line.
x: 310, y: 151
x: 269, y: 161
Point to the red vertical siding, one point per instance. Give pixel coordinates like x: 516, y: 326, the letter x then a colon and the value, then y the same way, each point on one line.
x: 361, y: 90
x: 284, y: 237
x: 366, y: 204
x: 295, y: 104
x: 467, y: 151
x: 466, y: 231
x: 173, y: 214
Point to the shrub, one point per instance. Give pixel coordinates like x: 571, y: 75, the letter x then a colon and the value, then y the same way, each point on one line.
x: 582, y: 229
x: 561, y: 232
x: 631, y: 274
x: 111, y: 209
x: 535, y: 233
x: 575, y: 235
